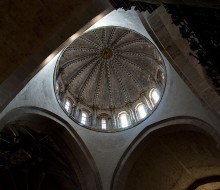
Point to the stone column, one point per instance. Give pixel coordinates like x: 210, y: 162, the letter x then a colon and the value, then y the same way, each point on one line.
x: 132, y: 114
x: 62, y: 97
x: 147, y: 102
x: 94, y: 118
x: 109, y: 123
x: 73, y: 111
x: 114, y: 121
x: 77, y: 110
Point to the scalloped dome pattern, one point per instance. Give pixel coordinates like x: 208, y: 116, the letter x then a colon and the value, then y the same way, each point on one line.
x: 109, y: 67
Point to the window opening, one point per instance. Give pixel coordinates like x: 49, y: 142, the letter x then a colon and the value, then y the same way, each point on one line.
x: 84, y: 118
x: 123, y: 118
x: 141, y: 111
x: 103, y: 123
x: 154, y: 96
x: 67, y: 105
x: 57, y: 86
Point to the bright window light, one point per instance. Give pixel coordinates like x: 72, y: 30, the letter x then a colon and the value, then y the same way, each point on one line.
x: 123, y: 118
x: 103, y: 121
x: 155, y: 96
x: 67, y: 105
x: 84, y: 118
x: 142, y: 113
x: 57, y: 86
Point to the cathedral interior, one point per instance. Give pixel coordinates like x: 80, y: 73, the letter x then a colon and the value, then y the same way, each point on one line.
x: 110, y: 95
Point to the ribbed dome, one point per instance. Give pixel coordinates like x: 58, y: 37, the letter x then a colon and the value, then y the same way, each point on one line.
x: 109, y: 67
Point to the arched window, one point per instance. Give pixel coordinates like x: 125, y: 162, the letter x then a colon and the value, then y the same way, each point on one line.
x: 154, y: 96
x: 67, y: 105
x: 141, y: 111
x: 57, y: 87
x: 124, y: 120
x: 103, y: 123
x: 84, y: 117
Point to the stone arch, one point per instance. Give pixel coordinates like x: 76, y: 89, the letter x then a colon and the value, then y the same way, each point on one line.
x: 74, y: 152
x: 150, y: 136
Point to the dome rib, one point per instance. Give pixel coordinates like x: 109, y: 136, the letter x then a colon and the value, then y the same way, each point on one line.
x: 98, y: 39
x: 125, y: 93
x: 83, y: 49
x: 79, y: 59
x: 109, y: 85
x: 87, y: 80
x: 130, y: 75
x: 90, y: 42
x: 145, y: 72
x: 120, y: 38
x: 137, y: 54
x: 111, y: 35
x: 130, y: 43
x: 104, y: 37
x: 78, y: 72
x: 97, y: 89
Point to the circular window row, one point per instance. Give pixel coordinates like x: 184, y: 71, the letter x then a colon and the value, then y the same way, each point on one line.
x: 117, y: 119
